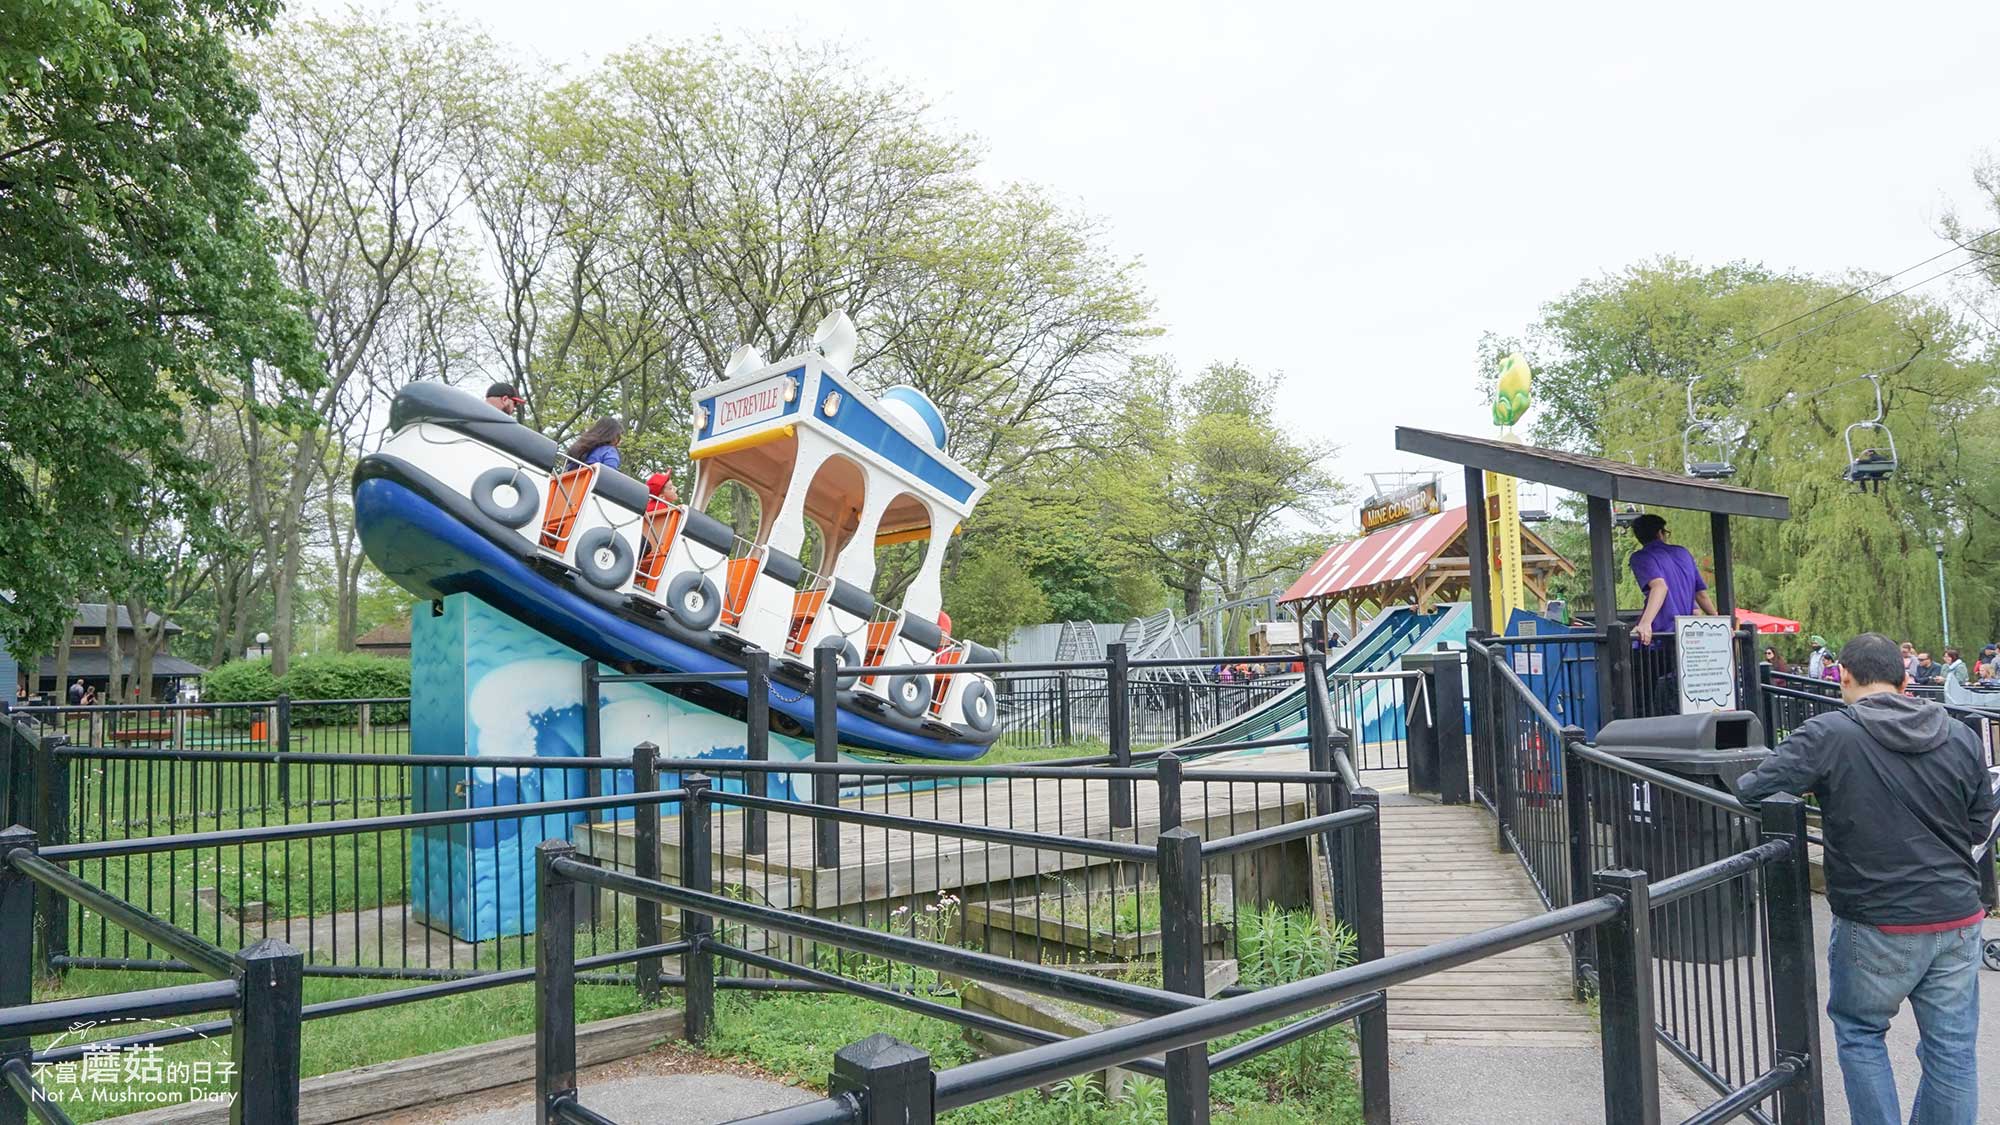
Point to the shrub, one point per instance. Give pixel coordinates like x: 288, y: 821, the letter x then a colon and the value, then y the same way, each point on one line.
x: 347, y: 676
x: 341, y: 676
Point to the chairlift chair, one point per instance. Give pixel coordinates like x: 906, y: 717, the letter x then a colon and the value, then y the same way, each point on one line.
x: 1540, y: 512
x: 1704, y: 437
x: 1626, y: 516
x: 1871, y: 466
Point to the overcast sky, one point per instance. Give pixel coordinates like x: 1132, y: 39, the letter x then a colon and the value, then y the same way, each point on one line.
x: 1352, y: 193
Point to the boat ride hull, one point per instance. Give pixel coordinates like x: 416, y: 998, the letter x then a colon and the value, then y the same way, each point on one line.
x: 433, y: 541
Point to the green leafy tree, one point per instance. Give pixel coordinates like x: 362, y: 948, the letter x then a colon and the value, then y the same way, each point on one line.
x: 137, y: 280
x: 990, y: 596
x: 1613, y: 357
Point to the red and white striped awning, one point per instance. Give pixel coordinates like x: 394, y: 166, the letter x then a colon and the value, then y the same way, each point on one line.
x: 1394, y: 554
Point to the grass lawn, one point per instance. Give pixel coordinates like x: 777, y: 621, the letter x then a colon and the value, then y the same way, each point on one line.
x: 342, y: 1042
x: 1312, y: 1082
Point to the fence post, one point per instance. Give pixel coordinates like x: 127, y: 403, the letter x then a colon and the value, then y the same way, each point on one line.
x: 826, y: 749
x: 1794, y: 988
x: 757, y: 744
x: 264, y: 1036
x: 1118, y: 702
x: 1616, y: 674
x: 1576, y: 803
x: 51, y: 827
x: 1064, y: 729
x: 281, y: 741
x: 17, y: 973
x: 1625, y: 1002
x: 555, y: 979
x: 591, y: 693
x: 1182, y: 967
x: 364, y: 715
x: 1319, y: 724
x: 1364, y: 874
x: 697, y: 964
x: 1447, y: 694
x: 1767, y: 710
x: 1168, y: 776
x: 646, y: 864
x: 892, y: 1080
x: 1747, y: 660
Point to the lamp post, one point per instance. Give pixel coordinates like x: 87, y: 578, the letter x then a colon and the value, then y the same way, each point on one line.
x: 1944, y: 608
x: 264, y: 643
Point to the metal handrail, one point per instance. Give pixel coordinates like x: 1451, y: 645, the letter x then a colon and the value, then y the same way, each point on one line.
x: 1693, y: 882
x: 1017, y: 837
x: 276, y: 833
x: 1666, y: 781
x: 1036, y: 1066
x: 203, y: 955
x: 1284, y: 833
x: 1082, y: 988
x: 53, y: 1016
x: 1539, y: 709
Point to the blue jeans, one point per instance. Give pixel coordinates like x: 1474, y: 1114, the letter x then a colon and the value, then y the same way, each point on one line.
x: 1870, y: 974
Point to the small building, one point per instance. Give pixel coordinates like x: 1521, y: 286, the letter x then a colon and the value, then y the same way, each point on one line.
x: 392, y: 639
x: 90, y: 655
x: 1417, y: 561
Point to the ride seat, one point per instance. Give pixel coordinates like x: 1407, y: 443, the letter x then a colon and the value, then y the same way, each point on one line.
x: 567, y: 491
x: 952, y: 655
x: 875, y: 646
x: 656, y: 536
x: 736, y: 595
x: 806, y: 605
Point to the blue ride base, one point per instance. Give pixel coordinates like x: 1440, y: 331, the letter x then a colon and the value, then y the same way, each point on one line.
x: 482, y: 683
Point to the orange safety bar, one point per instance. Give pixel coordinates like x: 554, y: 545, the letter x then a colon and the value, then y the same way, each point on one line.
x: 736, y: 598
x: 945, y: 656
x: 566, y: 493
x: 805, y: 609
x: 656, y: 535
x: 876, y: 646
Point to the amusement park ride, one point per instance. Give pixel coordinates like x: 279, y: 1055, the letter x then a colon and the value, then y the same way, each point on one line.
x: 462, y: 499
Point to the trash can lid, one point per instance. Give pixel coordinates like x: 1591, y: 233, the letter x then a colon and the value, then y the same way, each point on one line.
x: 1709, y: 730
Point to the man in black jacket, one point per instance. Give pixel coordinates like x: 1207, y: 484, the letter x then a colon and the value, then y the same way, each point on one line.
x: 1906, y: 800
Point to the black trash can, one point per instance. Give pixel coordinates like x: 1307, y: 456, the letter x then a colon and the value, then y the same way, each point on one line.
x: 1665, y: 834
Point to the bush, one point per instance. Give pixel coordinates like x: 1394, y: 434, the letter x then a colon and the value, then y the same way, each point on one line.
x: 347, y: 676
x: 343, y: 676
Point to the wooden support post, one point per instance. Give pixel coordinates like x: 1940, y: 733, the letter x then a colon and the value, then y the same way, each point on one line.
x: 1614, y: 663
x: 1576, y: 805
x: 51, y: 828
x: 1725, y: 571
x: 1794, y: 988
x: 1182, y: 968
x: 17, y: 971
x: 1119, y: 704
x: 697, y: 874
x: 1625, y: 1002
x: 555, y: 981
x: 1168, y: 776
x: 646, y: 865
x: 1478, y: 552
x: 757, y: 744
x: 826, y: 749
x: 892, y: 1080
x: 265, y: 1032
x: 593, y: 732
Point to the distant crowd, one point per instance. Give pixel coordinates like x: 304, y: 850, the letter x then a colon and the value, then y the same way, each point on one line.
x: 1919, y: 667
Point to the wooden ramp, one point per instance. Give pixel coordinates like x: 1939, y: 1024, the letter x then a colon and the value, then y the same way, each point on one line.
x: 1442, y: 878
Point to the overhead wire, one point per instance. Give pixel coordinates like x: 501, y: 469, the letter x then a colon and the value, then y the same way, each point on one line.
x: 1660, y: 395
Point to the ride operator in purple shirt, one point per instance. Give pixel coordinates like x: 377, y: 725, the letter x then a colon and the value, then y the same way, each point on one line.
x: 1668, y: 577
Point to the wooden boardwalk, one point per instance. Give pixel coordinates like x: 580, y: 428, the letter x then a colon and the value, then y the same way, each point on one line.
x: 1442, y: 878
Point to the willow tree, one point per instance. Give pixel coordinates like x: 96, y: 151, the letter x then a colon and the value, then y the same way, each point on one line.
x: 1613, y: 360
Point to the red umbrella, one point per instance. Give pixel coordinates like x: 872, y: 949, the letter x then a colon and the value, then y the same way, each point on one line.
x: 1766, y: 623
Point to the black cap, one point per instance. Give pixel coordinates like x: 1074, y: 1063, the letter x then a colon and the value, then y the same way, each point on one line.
x: 502, y: 390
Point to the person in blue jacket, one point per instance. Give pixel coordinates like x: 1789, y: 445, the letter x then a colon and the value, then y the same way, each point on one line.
x: 598, y: 445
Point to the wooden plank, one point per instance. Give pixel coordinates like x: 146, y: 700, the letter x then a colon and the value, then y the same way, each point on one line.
x: 384, y: 1087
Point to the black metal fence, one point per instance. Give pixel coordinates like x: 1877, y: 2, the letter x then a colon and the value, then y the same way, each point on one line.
x: 1730, y: 967
x: 1066, y: 708
x: 259, y: 988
